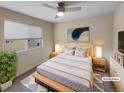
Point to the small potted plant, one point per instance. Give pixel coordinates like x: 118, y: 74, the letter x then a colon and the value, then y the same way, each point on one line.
x: 7, y: 69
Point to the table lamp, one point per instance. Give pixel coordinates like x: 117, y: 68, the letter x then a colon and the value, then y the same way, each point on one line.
x: 99, y: 44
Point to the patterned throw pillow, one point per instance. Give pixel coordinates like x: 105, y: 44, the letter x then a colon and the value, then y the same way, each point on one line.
x: 69, y: 51
x: 81, y: 52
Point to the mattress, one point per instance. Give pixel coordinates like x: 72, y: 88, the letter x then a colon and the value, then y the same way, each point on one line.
x: 74, y: 72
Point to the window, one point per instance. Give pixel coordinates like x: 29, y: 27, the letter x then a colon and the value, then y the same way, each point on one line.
x: 21, y: 37
x: 32, y: 43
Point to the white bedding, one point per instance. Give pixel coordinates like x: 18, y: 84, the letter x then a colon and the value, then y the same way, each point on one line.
x: 75, y: 72
x: 76, y: 58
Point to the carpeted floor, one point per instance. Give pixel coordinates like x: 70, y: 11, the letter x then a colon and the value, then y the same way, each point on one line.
x: 29, y: 82
x: 19, y: 87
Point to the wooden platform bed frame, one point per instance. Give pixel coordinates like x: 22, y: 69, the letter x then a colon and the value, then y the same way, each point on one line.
x: 50, y: 84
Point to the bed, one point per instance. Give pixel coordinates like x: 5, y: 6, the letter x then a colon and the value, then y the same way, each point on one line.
x: 66, y: 73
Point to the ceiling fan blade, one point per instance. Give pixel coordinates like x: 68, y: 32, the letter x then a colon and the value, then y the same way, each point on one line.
x: 73, y: 9
x: 49, y: 6
x: 70, y: 3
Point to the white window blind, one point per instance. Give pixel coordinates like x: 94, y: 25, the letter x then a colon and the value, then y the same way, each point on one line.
x: 35, y: 32
x: 14, y: 30
x: 19, y: 36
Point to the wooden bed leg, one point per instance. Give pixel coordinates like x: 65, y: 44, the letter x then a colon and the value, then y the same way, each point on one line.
x: 48, y: 89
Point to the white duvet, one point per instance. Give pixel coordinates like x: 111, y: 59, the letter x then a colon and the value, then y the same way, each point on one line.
x: 78, y: 70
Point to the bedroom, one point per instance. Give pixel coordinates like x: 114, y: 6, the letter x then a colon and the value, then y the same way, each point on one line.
x: 36, y: 35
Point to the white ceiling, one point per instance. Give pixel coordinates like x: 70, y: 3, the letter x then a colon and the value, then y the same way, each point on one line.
x: 36, y: 9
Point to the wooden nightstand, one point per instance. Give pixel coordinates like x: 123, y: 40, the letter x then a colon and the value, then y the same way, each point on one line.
x: 53, y: 54
x: 99, y: 64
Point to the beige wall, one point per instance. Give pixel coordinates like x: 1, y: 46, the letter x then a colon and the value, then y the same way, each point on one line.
x: 1, y: 31
x: 16, y: 45
x: 29, y: 59
x: 118, y: 25
x: 101, y: 28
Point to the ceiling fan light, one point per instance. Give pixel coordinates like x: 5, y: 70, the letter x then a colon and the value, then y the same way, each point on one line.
x: 60, y: 13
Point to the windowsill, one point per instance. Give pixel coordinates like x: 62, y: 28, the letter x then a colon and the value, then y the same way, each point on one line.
x: 19, y: 51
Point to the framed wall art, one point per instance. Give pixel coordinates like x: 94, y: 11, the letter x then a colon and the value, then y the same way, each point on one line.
x: 81, y: 34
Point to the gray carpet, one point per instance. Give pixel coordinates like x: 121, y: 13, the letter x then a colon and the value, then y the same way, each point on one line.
x: 29, y: 82
x: 98, y: 85
x: 19, y: 87
x: 108, y: 85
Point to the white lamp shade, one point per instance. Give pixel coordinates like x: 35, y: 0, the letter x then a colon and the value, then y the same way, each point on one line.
x: 99, y: 52
x: 57, y: 48
x: 99, y: 42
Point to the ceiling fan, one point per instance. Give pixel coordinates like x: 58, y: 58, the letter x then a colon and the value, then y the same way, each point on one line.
x: 62, y: 7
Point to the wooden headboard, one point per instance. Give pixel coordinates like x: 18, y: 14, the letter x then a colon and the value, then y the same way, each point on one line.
x: 90, y: 50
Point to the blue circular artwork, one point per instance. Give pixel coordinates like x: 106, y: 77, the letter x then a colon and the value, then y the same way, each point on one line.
x: 78, y: 31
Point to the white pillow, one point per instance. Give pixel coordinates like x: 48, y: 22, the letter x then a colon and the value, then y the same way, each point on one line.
x: 69, y: 51
x: 81, y: 52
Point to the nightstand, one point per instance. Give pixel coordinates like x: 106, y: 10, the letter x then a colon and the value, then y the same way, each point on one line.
x: 99, y: 64
x: 53, y: 54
